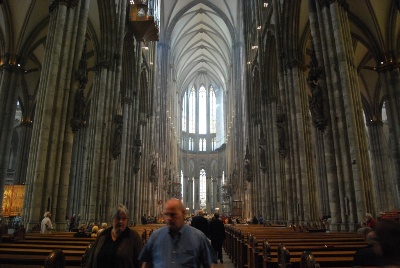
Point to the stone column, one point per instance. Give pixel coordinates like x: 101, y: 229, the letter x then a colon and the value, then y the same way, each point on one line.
x: 196, y: 193
x: 348, y: 176
x: 390, y: 77
x: 10, y: 75
x: 52, y: 138
x: 25, y: 134
x: 382, y: 181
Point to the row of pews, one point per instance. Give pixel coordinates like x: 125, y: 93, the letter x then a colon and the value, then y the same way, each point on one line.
x: 35, y: 249
x: 280, y: 246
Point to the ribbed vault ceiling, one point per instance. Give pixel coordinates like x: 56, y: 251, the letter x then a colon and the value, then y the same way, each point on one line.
x: 200, y: 36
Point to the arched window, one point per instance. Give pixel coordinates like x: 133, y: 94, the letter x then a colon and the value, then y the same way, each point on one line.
x: 202, y: 110
x: 192, y: 111
x: 202, y: 115
x: 203, y: 189
x: 190, y: 144
x: 213, y: 112
x: 184, y: 118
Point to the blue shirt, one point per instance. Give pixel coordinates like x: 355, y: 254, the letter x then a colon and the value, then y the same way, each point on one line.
x: 190, y: 248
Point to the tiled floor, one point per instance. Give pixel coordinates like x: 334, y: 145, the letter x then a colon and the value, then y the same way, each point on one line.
x: 227, y: 262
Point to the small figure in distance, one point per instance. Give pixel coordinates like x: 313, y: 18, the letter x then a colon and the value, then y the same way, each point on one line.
x: 143, y: 220
x: 217, y: 235
x: 117, y: 246
x: 177, y: 244
x: 364, y: 229
x: 371, y: 222
x: 95, y: 230
x: 102, y: 228
x: 81, y: 231
x: 71, y: 223
x: 46, y: 226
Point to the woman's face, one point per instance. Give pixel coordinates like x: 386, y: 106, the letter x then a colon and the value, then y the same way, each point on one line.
x: 120, y: 222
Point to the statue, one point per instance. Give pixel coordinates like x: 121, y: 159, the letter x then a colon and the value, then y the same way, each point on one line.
x: 153, y: 171
x: 262, y: 157
x: 280, y: 123
x: 315, y: 102
x: 117, y: 140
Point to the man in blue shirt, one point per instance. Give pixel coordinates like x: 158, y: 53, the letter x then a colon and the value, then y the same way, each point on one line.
x: 177, y: 244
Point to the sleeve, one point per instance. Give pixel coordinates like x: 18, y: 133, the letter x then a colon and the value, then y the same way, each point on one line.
x: 207, y: 255
x: 146, y: 253
x: 138, y: 246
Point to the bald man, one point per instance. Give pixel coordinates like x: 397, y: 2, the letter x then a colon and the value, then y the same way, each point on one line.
x: 177, y: 244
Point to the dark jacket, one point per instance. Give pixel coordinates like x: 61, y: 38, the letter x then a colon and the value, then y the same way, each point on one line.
x: 217, y: 230
x: 367, y: 257
x: 201, y: 223
x: 127, y: 252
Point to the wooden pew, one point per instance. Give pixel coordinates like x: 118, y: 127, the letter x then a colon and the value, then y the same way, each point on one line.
x: 35, y: 248
x: 262, y: 245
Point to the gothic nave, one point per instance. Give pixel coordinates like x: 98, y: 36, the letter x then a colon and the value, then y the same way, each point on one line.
x: 285, y: 108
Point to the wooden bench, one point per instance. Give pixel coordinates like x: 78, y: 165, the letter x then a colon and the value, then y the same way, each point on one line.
x: 35, y: 248
x: 260, y: 247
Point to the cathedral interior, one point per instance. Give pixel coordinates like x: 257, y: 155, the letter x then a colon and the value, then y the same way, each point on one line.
x: 289, y: 109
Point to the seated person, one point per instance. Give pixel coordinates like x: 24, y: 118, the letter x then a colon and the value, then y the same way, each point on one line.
x: 95, y: 229
x: 364, y: 229
x: 81, y: 231
x: 368, y: 256
x: 102, y: 228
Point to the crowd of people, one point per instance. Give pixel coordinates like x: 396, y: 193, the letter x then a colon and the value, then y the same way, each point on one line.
x: 197, y: 241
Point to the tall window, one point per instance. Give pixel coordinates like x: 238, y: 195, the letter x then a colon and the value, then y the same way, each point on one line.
x: 213, y: 111
x: 190, y: 144
x: 202, y: 110
x: 192, y: 111
x: 202, y: 145
x: 203, y: 189
x: 199, y: 118
x: 184, y: 112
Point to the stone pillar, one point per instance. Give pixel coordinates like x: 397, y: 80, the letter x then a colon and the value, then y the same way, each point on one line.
x: 349, y: 177
x: 390, y: 77
x: 24, y: 134
x: 196, y: 193
x: 10, y: 75
x: 382, y: 181
x: 52, y: 137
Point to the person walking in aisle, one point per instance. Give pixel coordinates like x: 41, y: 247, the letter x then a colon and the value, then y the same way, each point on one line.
x: 217, y: 235
x: 177, y: 244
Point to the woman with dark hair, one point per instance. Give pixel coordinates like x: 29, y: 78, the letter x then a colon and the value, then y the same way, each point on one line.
x: 117, y: 246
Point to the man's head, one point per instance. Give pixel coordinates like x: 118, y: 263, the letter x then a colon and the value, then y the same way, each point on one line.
x: 174, y: 214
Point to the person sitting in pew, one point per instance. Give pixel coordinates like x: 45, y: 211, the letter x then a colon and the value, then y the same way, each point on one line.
x: 102, y: 228
x: 81, y: 231
x: 364, y: 229
x: 368, y: 256
x: 95, y: 230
